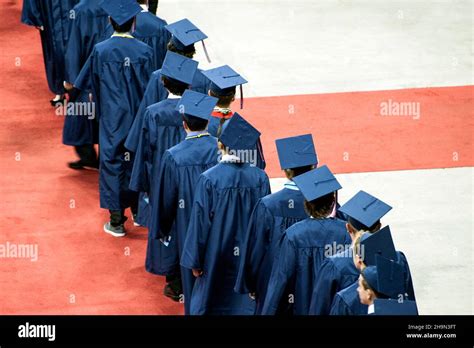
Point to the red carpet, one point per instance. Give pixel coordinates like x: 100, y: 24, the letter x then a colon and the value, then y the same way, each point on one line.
x: 45, y: 203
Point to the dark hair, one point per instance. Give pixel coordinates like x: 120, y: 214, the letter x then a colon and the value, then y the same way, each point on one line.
x: 188, y: 51
x: 320, y: 207
x: 195, y: 123
x: 174, y: 86
x: 292, y: 172
x: 142, y: 2
x: 125, y: 27
x: 358, y: 226
x: 224, y: 100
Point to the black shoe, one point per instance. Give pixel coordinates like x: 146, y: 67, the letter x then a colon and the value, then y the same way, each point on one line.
x: 57, y: 102
x: 173, y: 294
x: 78, y: 165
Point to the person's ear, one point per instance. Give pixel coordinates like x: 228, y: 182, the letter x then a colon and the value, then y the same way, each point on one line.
x: 233, y: 98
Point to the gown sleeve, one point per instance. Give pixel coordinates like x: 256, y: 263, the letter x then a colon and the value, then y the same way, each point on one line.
x: 254, y: 249
x: 164, y: 198
x: 199, y: 225
x: 73, y: 54
x: 31, y: 13
x: 325, y: 288
x: 283, y: 271
x: 139, y: 179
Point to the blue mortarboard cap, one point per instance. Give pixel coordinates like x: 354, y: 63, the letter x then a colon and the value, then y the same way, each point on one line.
x: 121, y: 10
x: 179, y: 67
x: 378, y: 243
x: 296, y: 152
x: 223, y: 80
x: 386, y: 277
x: 317, y: 183
x: 185, y: 34
x: 196, y: 104
x: 393, y: 307
x: 365, y: 209
x: 238, y: 134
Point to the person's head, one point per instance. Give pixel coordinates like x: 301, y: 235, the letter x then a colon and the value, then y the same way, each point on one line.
x: 366, y: 294
x: 320, y: 207
x: 193, y: 123
x: 125, y: 27
x: 224, y: 99
x: 174, y: 86
x: 187, y: 51
x: 292, y: 172
x: 354, y: 231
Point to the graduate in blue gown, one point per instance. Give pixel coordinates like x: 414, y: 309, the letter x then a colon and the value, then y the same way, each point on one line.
x: 117, y: 72
x: 223, y: 201
x: 224, y: 81
x: 162, y: 129
x: 179, y: 172
x: 51, y: 17
x: 184, y: 35
x: 366, y: 248
x: 150, y: 29
x: 338, y: 271
x: 88, y: 25
x: 384, y: 282
x: 272, y: 215
x: 304, y: 246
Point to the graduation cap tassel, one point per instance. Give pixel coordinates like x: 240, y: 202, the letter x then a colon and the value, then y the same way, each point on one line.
x: 205, y: 51
x: 241, y: 97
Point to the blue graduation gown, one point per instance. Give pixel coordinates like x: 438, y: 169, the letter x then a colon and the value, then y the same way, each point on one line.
x: 162, y: 129
x: 346, y: 301
x: 302, y: 251
x: 271, y: 217
x: 87, y: 28
x: 336, y: 273
x: 53, y: 16
x: 214, y: 127
x: 117, y: 72
x: 180, y: 169
x: 150, y: 29
x: 224, y: 198
x: 154, y: 93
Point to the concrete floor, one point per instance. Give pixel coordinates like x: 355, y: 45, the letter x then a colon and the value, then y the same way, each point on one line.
x: 334, y: 46
x: 303, y: 47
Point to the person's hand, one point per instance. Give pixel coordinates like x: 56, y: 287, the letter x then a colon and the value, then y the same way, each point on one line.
x: 253, y: 296
x: 197, y: 272
x: 68, y: 86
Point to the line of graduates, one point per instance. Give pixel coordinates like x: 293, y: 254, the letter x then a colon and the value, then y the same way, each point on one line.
x: 192, y: 171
